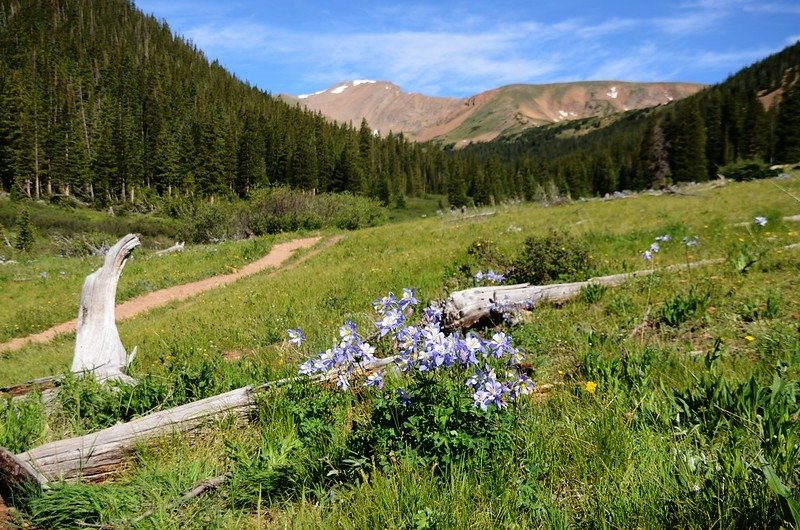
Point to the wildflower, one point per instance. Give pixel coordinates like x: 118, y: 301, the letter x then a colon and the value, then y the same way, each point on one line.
x: 408, y: 299
x: 591, y: 387
x: 494, y: 277
x: 392, y: 319
x: 654, y: 248
x: 375, y: 379
x: 500, y: 345
x: 479, y: 276
x: 473, y: 343
x: 760, y: 220
x: 403, y: 396
x: 296, y: 336
x: 666, y: 238
x: 647, y: 255
x: 348, y: 333
x: 691, y: 242
x: 749, y: 338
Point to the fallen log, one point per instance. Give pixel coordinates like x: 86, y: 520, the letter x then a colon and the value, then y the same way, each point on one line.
x: 177, y: 247
x: 98, y: 348
x: 464, y: 309
x: 96, y: 455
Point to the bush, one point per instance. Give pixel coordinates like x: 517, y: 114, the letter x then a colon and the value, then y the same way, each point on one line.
x: 747, y: 170
x: 435, y: 419
x: 281, y: 209
x: 555, y: 257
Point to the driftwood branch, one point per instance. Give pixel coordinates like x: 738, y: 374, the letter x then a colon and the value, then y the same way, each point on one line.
x: 98, y: 348
x: 177, y: 247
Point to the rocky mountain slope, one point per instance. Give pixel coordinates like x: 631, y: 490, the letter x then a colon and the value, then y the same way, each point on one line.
x: 487, y: 115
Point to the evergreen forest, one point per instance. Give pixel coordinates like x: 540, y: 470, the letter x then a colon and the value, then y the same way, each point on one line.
x: 101, y: 104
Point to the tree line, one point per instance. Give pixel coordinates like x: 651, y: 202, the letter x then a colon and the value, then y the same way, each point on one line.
x: 102, y: 104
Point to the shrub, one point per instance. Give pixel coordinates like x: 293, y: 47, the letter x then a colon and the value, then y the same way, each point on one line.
x: 551, y: 258
x: 435, y: 419
x: 747, y: 170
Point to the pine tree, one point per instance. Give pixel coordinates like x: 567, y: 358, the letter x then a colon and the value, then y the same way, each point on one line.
x: 689, y: 144
x: 24, y: 240
x: 787, y: 128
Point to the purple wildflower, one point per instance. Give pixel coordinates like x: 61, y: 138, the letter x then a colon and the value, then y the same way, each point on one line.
x: 296, y: 336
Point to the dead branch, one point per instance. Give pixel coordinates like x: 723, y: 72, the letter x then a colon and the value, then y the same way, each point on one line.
x: 177, y: 247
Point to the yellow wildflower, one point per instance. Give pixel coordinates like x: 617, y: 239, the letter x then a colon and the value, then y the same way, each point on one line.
x: 749, y: 338
x: 591, y: 386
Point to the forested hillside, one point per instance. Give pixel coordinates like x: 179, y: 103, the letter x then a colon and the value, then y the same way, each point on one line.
x: 753, y: 115
x: 104, y: 104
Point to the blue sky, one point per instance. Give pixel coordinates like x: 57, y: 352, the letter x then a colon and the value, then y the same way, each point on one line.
x: 455, y: 48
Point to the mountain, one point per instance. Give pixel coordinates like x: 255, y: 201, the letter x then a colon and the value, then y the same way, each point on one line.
x: 485, y: 116
x: 750, y: 119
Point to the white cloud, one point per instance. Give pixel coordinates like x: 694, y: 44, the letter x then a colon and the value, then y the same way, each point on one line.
x: 774, y: 8
x: 447, y: 50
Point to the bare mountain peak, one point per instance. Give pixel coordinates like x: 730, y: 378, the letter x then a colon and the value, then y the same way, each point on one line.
x: 511, y: 108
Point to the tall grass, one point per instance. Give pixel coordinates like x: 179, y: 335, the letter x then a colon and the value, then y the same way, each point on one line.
x: 669, y: 433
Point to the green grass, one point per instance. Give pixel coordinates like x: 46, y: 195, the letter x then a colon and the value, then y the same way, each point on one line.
x: 617, y: 457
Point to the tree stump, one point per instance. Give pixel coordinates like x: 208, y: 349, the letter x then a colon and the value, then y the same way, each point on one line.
x: 98, y: 348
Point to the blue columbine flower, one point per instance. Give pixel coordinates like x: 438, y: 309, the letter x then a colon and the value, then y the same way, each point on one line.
x: 479, y: 276
x: 296, y: 336
x: 375, y: 379
x: 654, y: 248
x: 494, y: 277
x: 691, y: 242
x: 760, y: 220
x: 647, y: 255
x: 403, y: 396
x: 666, y: 238
x: 408, y: 299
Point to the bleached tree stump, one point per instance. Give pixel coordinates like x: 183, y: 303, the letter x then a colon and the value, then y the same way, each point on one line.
x: 98, y: 348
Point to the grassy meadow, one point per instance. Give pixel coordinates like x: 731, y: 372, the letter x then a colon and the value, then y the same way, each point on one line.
x: 674, y: 398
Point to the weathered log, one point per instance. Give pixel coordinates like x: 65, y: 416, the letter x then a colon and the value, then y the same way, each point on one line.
x: 463, y: 309
x: 177, y: 247
x: 96, y: 455
x: 98, y: 348
x: 16, y: 476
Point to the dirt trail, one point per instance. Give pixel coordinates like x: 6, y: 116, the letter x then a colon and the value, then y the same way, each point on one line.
x: 130, y: 308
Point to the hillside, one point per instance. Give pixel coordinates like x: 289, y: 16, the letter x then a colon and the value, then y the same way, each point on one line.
x: 487, y: 115
x: 101, y: 104
x: 754, y: 115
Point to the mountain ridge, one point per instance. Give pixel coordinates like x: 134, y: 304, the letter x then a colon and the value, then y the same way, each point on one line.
x: 487, y: 115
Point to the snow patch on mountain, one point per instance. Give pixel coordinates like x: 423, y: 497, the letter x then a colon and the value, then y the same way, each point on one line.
x: 317, y: 93
x: 357, y: 82
x: 339, y: 89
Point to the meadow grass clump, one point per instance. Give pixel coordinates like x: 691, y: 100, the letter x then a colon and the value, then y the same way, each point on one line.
x: 22, y: 422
